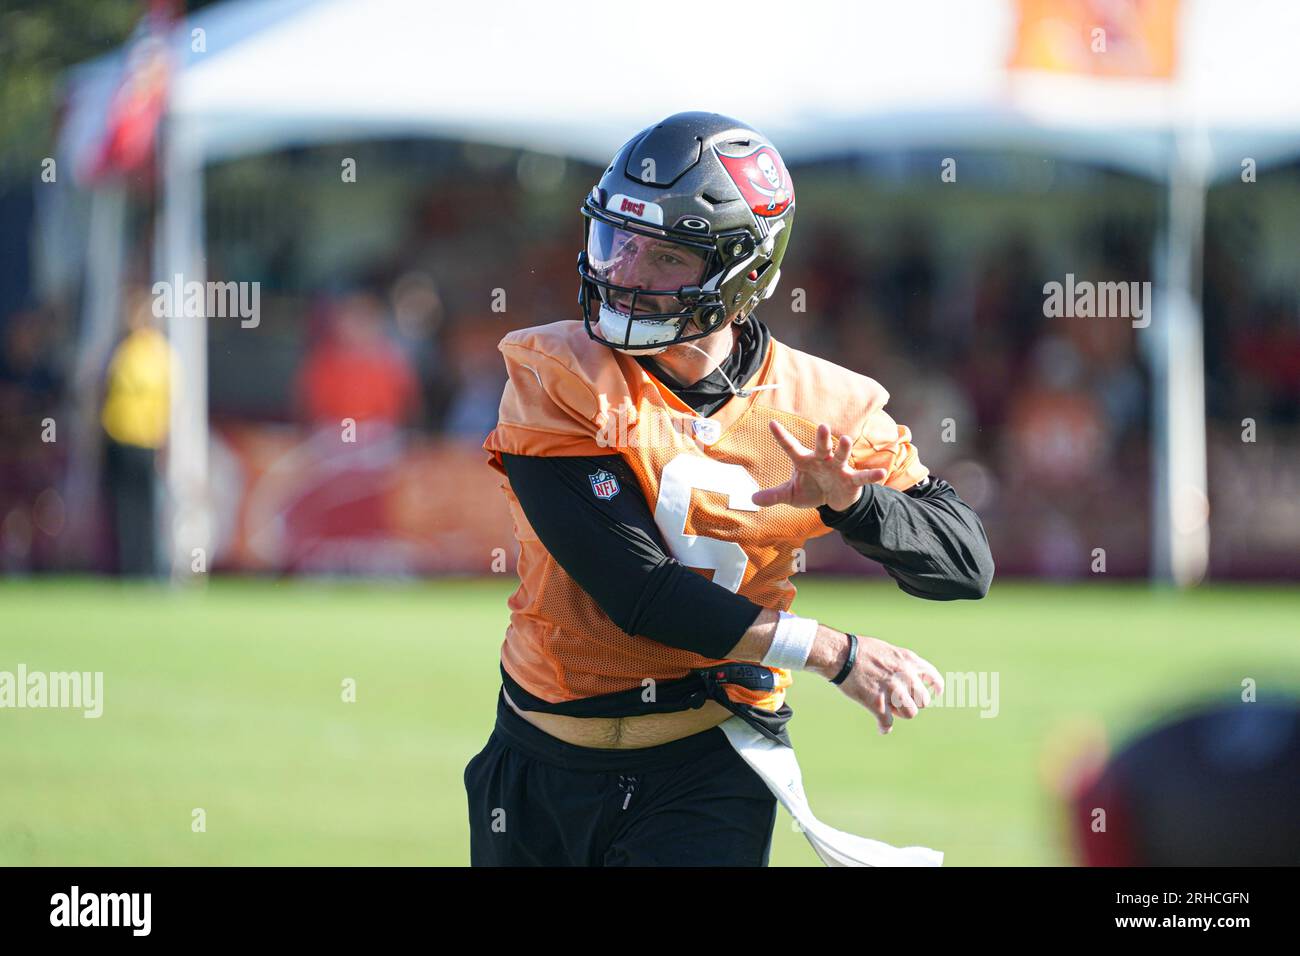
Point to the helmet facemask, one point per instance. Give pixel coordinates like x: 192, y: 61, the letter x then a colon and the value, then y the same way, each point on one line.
x: 648, y: 288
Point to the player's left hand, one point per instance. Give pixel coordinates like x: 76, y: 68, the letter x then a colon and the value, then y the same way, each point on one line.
x: 821, y: 476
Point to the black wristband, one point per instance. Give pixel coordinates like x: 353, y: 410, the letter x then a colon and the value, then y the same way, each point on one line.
x: 852, y: 659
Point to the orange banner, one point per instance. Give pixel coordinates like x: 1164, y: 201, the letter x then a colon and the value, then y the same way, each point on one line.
x: 1135, y: 39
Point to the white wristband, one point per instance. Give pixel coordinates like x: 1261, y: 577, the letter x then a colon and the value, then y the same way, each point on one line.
x: 792, y: 643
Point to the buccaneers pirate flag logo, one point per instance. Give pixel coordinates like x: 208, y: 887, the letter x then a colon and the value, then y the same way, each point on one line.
x: 761, y: 177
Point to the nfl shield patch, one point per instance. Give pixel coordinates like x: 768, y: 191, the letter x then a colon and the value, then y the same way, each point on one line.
x: 706, y: 430
x: 604, y: 485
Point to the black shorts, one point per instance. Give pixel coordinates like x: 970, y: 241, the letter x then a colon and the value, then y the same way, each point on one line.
x: 535, y: 800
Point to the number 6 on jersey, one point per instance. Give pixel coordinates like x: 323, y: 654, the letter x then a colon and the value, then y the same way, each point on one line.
x: 680, y: 477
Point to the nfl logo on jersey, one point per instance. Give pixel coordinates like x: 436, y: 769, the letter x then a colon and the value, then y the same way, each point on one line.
x: 604, y: 485
x: 706, y: 430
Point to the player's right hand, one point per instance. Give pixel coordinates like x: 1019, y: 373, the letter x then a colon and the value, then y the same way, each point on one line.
x: 891, y: 681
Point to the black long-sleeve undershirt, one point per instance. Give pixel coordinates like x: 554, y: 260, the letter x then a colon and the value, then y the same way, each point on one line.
x: 928, y: 539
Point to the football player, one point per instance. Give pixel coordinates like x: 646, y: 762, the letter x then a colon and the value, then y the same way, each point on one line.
x: 664, y: 459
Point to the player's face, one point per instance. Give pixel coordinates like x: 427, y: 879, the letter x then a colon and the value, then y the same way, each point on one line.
x: 635, y: 261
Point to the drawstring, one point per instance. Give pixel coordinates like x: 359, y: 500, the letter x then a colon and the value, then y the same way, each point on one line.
x: 626, y: 784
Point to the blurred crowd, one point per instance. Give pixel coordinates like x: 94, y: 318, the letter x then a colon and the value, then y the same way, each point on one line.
x: 1042, y: 423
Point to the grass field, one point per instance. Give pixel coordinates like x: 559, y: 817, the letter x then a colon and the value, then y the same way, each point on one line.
x: 230, y: 700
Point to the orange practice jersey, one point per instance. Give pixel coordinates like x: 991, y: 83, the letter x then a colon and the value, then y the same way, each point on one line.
x: 568, y: 395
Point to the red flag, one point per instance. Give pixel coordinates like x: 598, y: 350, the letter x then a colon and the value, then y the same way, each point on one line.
x: 131, y: 125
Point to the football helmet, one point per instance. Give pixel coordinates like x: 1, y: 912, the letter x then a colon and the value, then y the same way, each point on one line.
x: 686, y: 228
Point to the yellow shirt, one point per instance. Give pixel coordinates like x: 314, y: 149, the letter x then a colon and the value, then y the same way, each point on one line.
x: 137, y: 408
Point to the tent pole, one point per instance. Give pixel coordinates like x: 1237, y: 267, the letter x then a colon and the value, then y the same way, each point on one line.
x: 1180, y: 506
x: 101, y: 311
x: 187, y: 534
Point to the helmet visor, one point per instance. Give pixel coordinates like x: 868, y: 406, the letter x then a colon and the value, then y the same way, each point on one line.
x: 623, y: 262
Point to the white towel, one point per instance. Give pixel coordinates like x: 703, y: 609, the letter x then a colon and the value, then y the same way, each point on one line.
x: 777, y: 766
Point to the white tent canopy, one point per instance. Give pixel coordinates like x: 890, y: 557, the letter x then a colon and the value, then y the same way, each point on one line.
x: 825, y: 79
x: 575, y: 80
